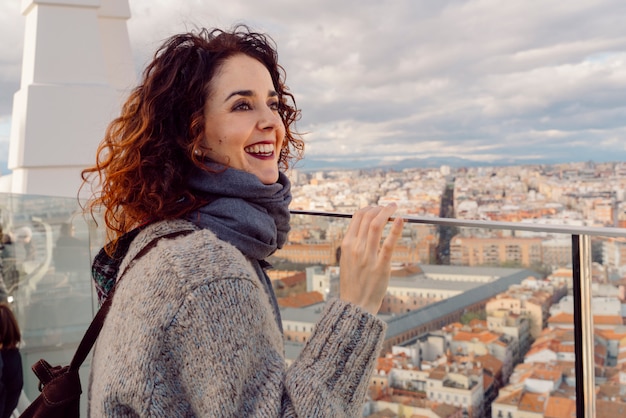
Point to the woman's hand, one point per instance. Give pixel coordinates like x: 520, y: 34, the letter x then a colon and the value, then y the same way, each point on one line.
x: 365, y: 263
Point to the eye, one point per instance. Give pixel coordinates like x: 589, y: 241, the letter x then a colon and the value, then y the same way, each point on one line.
x: 243, y: 105
x: 274, y: 105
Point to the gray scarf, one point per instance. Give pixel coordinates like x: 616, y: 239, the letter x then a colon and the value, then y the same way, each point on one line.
x: 252, y: 216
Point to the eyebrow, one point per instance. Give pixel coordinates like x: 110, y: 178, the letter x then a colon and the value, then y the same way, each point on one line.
x: 249, y: 93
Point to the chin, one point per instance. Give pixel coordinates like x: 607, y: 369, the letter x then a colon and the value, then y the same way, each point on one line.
x: 268, y: 178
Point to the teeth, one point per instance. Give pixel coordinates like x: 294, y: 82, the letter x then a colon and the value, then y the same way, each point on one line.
x: 265, y: 149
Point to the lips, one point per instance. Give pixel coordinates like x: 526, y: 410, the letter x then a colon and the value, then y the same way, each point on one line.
x: 260, y: 150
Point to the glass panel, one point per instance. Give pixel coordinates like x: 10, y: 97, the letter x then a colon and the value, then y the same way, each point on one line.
x: 46, y: 260
x: 479, y: 319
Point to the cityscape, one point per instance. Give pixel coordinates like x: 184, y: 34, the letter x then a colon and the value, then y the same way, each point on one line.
x: 480, y: 321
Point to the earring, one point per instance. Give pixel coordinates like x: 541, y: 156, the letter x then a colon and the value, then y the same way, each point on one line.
x: 198, y: 153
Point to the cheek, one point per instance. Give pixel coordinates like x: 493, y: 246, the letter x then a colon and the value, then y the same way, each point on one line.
x: 217, y: 142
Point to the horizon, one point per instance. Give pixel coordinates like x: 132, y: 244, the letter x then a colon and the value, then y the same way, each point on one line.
x: 479, y: 80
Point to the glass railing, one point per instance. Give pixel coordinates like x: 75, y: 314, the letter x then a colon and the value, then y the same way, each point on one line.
x: 470, y: 314
x: 448, y: 271
x: 46, y: 254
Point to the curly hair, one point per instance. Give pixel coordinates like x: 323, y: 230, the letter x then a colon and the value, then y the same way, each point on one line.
x: 144, y: 161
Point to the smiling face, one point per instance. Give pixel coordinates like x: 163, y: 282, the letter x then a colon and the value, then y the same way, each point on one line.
x: 243, y: 128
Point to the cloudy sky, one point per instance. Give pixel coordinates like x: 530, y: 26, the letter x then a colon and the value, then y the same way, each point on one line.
x: 483, y: 80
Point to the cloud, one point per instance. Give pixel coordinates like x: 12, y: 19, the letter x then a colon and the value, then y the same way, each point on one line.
x: 480, y: 79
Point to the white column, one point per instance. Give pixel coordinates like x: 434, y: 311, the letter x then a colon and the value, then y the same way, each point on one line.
x: 77, y: 67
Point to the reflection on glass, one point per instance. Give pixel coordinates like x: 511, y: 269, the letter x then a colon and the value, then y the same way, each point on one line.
x: 46, y: 272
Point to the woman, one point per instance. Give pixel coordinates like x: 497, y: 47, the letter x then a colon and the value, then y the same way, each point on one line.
x: 11, y: 379
x: 196, y: 159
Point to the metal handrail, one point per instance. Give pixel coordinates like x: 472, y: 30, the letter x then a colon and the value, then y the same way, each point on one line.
x: 581, y: 260
x: 515, y: 226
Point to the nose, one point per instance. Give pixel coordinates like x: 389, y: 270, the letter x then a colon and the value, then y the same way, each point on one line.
x: 269, y: 119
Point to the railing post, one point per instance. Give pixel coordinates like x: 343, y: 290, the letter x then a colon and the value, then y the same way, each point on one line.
x: 583, y: 327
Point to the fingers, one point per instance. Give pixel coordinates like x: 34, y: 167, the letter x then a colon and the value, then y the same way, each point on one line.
x: 386, y: 251
x: 355, y: 223
x: 366, y: 229
x: 377, y: 221
x: 359, y: 227
x: 365, y: 262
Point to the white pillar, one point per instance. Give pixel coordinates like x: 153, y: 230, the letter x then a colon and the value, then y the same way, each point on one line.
x: 77, y: 67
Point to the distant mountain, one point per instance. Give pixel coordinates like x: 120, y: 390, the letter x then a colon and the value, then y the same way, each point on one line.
x: 314, y: 164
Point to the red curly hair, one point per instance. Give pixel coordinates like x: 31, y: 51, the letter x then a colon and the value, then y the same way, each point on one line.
x: 144, y: 161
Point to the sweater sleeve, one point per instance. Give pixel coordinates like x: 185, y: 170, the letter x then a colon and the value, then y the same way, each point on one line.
x: 332, y: 374
x: 220, y: 346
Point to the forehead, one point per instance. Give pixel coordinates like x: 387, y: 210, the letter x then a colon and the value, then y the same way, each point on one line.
x: 242, y: 72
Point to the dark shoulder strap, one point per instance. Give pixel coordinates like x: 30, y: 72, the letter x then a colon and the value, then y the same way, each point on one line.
x: 86, y: 344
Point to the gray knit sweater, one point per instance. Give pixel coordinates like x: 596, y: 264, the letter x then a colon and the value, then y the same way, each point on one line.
x: 191, y: 333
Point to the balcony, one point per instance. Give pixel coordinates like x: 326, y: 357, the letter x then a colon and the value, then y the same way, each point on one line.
x: 55, y: 301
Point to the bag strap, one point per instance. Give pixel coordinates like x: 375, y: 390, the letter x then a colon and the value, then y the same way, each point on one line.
x: 91, y: 334
x: 89, y: 339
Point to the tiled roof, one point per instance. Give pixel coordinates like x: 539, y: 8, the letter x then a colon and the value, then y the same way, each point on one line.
x: 485, y: 337
x: 558, y: 407
x: 610, y: 409
x: 293, y: 280
x: 610, y: 334
x: 561, y: 318
x: 300, y: 300
x: 490, y: 362
x: 533, y: 402
x: 384, y: 364
x: 607, y: 320
x: 437, y: 374
x: 385, y: 413
x: 442, y: 410
x: 511, y: 399
x: 478, y: 323
x: 565, y: 318
x: 549, y: 375
x: 487, y: 382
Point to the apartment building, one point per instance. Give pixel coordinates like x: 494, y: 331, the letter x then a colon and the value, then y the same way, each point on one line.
x: 471, y: 343
x: 516, y: 326
x: 614, y: 254
x: 534, y: 305
x: 469, y: 251
x: 458, y: 386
